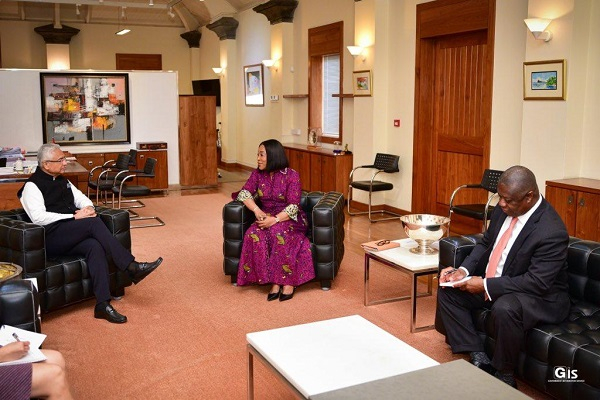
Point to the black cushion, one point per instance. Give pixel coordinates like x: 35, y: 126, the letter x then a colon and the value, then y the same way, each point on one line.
x: 378, y: 186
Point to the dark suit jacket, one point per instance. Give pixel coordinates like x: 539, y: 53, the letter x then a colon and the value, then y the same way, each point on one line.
x: 535, y: 268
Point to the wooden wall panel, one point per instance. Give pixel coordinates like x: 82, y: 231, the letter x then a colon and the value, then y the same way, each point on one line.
x: 197, y: 140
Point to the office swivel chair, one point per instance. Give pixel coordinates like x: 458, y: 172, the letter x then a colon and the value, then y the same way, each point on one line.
x: 479, y: 211
x: 384, y: 163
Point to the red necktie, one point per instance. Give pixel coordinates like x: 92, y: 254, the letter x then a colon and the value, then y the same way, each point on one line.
x: 497, y: 252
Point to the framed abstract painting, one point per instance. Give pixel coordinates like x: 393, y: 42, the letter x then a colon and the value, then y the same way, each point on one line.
x: 254, y: 85
x: 82, y: 108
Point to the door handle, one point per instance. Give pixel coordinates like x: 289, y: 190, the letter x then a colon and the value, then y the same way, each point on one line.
x: 570, y: 199
x: 582, y: 202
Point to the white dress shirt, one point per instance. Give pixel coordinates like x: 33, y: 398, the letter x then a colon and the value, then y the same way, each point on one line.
x: 35, y: 207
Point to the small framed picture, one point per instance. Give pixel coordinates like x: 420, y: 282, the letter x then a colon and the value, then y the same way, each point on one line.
x: 362, y: 82
x: 544, y: 80
x: 254, y: 86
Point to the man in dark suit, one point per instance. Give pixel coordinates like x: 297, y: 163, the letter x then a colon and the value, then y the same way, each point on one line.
x: 521, y: 276
x: 71, y: 228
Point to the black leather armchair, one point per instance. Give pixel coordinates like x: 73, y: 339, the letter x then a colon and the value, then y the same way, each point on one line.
x: 325, y: 212
x: 65, y: 280
x: 19, y: 305
x: 573, y: 345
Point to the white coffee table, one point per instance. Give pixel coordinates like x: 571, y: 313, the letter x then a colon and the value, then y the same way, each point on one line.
x: 414, y: 265
x: 329, y: 355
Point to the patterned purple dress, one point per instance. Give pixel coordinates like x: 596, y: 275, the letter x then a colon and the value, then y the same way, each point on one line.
x: 280, y: 254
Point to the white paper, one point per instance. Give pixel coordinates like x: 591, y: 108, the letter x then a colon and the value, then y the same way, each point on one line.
x: 451, y: 284
x: 35, y: 341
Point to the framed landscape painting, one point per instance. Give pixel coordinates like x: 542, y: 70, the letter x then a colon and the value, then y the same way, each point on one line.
x: 544, y: 80
x: 81, y: 108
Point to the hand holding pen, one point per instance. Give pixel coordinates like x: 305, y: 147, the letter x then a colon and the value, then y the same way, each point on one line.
x: 451, y: 274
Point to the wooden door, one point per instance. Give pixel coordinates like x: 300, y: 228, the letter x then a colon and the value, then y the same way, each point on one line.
x: 452, y: 103
x: 197, y: 141
x: 588, y: 216
x: 564, y: 202
x: 316, y: 170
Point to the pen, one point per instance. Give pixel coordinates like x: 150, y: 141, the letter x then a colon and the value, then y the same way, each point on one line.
x: 16, y: 337
x: 453, y: 270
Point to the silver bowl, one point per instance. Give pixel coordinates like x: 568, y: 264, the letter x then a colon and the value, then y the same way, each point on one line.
x: 425, y: 229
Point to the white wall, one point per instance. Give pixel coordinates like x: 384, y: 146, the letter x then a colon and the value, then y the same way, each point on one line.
x: 154, y: 113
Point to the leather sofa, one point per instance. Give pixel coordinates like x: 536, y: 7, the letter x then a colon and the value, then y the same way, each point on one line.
x: 64, y: 280
x: 325, y: 213
x: 562, y: 360
x: 19, y: 305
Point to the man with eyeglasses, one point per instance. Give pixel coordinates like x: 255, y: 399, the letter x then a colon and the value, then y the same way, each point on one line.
x: 518, y: 270
x: 71, y: 228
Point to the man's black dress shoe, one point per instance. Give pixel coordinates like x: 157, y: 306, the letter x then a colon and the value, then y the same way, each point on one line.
x: 507, y: 378
x: 273, y: 296
x: 284, y: 297
x: 107, y: 312
x: 487, y: 367
x: 140, y: 270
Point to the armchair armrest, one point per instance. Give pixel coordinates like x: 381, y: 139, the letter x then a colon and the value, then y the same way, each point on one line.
x: 454, y: 249
x: 236, y: 220
x: 467, y: 186
x: 19, y: 305
x: 328, y: 235
x: 24, y: 244
x: 118, y: 223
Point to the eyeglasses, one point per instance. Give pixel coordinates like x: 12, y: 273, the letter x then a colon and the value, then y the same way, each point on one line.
x: 382, y: 242
x: 60, y: 160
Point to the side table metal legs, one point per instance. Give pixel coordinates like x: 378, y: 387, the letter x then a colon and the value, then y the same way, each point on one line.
x: 414, y: 275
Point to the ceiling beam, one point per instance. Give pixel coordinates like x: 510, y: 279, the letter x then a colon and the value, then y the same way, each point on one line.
x: 100, y: 4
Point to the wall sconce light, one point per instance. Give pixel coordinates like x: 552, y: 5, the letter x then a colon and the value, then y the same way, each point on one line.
x: 356, y: 51
x: 270, y: 64
x: 170, y: 13
x: 151, y: 3
x: 218, y: 70
x: 537, y: 27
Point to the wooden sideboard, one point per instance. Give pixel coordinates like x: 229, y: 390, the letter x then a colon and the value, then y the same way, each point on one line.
x: 10, y: 184
x: 159, y: 182
x: 577, y: 201
x: 320, y: 169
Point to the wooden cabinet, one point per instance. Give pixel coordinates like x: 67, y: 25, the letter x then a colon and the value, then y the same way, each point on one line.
x: 320, y: 169
x: 577, y: 201
x: 159, y: 182
x: 161, y: 178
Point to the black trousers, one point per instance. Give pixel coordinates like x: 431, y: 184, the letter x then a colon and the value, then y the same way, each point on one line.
x: 90, y: 238
x: 455, y: 310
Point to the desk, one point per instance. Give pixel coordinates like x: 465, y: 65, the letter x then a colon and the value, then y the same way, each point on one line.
x: 433, y: 383
x: 332, y: 354
x: 414, y: 265
x: 11, y: 183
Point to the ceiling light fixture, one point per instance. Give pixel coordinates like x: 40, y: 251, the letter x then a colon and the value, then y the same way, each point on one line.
x: 537, y: 27
x: 77, y: 12
x: 170, y: 13
x: 151, y: 3
x: 120, y: 31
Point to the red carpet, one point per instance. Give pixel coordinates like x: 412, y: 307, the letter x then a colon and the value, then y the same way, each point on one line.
x: 185, y: 338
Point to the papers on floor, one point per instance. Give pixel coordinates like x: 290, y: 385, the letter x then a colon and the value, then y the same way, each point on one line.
x: 35, y: 341
x: 451, y: 284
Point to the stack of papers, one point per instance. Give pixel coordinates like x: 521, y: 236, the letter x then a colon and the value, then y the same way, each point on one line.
x: 35, y: 342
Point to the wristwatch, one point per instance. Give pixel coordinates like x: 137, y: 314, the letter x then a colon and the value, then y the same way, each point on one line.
x: 276, y: 219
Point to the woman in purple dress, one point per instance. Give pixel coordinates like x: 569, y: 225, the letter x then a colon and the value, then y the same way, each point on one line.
x: 276, y: 249
x: 42, y: 379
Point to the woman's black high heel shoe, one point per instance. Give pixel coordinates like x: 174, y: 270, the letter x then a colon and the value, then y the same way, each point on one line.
x: 273, y: 296
x: 284, y: 297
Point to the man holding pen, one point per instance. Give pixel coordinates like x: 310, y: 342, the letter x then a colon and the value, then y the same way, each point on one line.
x: 517, y: 270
